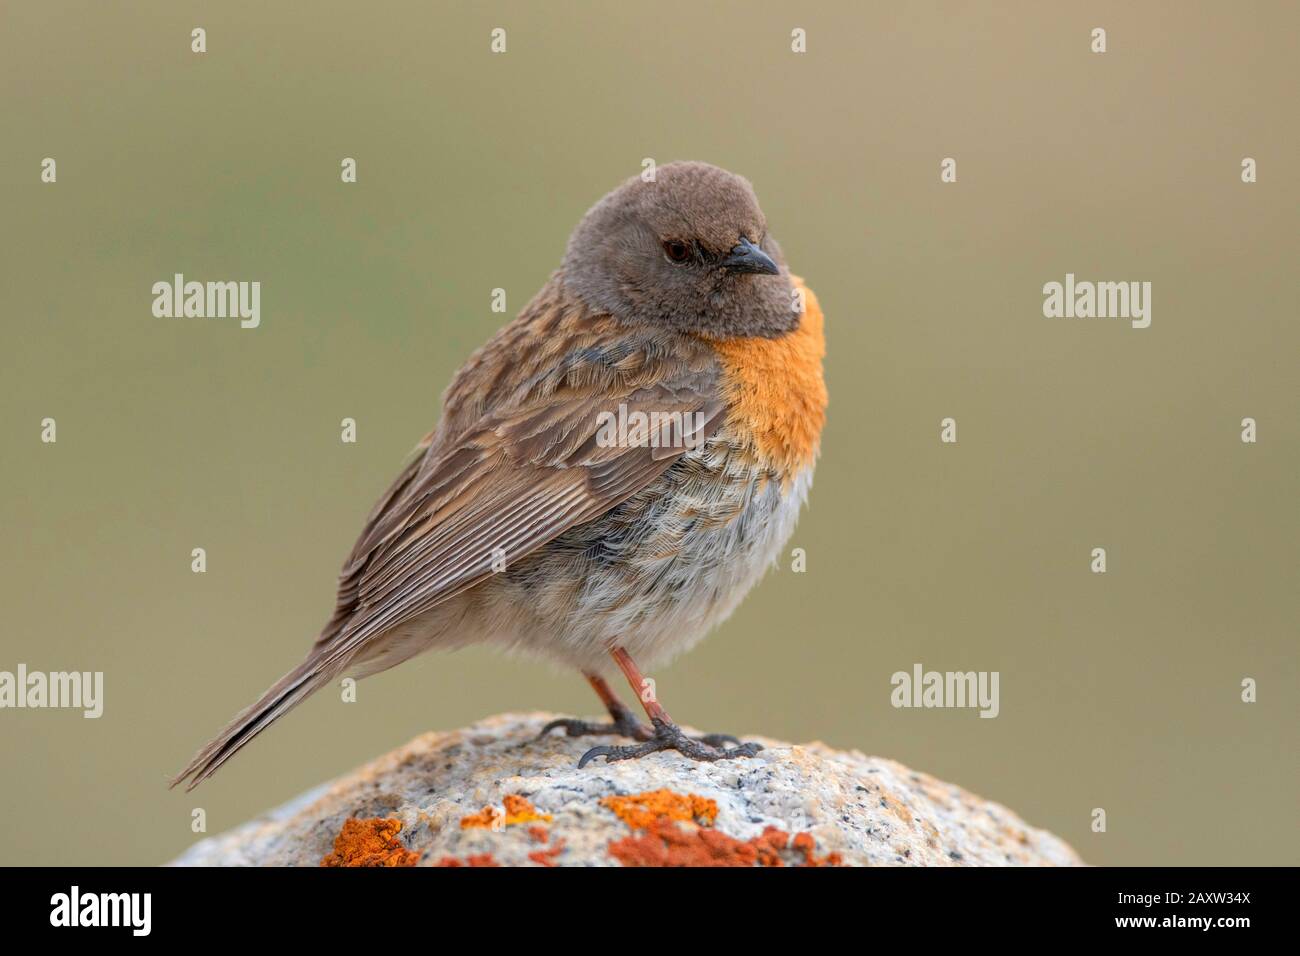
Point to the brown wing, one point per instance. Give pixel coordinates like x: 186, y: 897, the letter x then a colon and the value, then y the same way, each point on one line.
x: 516, y: 461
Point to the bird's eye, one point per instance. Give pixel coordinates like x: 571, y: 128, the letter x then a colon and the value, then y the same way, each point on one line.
x: 676, y: 250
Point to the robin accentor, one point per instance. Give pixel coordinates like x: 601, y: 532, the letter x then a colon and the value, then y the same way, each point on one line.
x: 612, y: 473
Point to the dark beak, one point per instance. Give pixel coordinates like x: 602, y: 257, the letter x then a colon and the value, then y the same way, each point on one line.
x: 747, y: 257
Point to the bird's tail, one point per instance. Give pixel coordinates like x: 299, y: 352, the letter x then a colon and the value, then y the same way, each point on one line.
x: 283, y: 696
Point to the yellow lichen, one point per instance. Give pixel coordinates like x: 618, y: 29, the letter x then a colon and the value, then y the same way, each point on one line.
x: 641, y: 810
x: 516, y: 810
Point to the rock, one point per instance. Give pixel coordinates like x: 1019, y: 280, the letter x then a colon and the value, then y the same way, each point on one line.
x: 492, y: 795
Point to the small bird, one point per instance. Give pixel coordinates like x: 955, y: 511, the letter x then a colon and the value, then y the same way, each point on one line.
x: 613, y: 471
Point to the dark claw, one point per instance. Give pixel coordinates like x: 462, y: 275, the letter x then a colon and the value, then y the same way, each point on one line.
x: 670, y: 737
x: 576, y: 728
x: 624, y: 726
x: 595, y: 752
x: 718, y: 740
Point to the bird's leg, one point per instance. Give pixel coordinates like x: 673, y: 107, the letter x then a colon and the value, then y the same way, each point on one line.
x: 667, y: 735
x: 624, y: 722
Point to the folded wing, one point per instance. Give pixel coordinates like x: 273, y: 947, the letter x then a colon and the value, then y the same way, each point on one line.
x: 520, y: 475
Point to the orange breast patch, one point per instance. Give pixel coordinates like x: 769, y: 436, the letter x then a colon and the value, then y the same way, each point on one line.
x: 776, y: 390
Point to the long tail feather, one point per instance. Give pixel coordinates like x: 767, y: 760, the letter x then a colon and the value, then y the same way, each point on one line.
x: 287, y: 693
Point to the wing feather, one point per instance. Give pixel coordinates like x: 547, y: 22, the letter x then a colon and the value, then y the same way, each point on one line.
x: 519, y: 473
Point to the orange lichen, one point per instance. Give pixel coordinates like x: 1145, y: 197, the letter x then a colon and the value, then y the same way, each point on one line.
x: 547, y: 857
x: 370, y: 842
x: 769, y: 846
x: 516, y: 810
x: 668, y: 843
x: 805, y: 844
x: 474, y: 859
x: 539, y: 833
x: 642, y: 810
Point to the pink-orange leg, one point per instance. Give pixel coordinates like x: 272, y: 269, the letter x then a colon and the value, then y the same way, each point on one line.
x: 666, y: 735
x: 653, y: 710
x: 622, y: 721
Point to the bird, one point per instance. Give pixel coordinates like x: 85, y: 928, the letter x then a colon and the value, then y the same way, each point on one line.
x: 611, y: 474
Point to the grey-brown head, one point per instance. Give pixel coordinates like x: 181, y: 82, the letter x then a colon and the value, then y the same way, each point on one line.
x: 689, y: 251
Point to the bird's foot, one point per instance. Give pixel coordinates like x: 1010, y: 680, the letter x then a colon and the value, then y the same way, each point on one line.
x: 624, y: 724
x: 668, y: 736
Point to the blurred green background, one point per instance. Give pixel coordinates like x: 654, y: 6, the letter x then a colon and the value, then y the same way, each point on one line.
x: 1118, y: 691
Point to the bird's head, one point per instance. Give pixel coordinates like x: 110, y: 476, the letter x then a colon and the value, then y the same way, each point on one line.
x: 689, y: 250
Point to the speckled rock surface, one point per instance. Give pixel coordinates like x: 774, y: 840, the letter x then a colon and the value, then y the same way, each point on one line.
x: 491, y: 795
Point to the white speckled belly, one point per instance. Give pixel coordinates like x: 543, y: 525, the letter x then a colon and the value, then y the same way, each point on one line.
x: 655, y: 574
